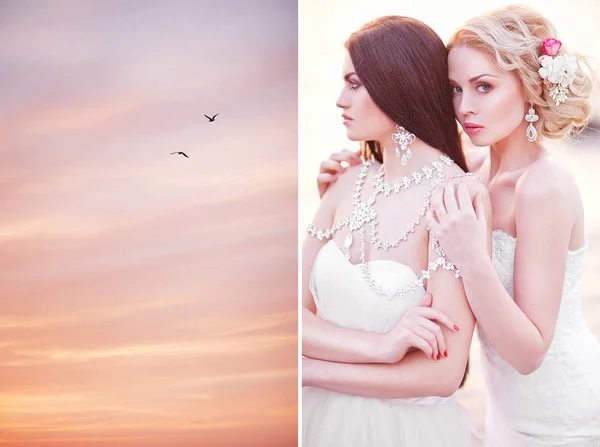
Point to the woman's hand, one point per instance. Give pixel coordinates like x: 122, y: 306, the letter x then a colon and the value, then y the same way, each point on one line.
x: 417, y: 330
x: 332, y: 167
x: 459, y: 222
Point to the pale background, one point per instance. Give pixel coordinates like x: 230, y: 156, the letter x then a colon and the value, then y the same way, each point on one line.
x: 147, y: 299
x: 324, y: 26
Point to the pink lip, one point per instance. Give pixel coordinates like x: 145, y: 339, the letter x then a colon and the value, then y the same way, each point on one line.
x: 472, y: 129
x: 347, y: 119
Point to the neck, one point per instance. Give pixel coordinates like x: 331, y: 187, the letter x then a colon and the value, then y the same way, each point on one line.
x: 422, y: 154
x: 513, y: 153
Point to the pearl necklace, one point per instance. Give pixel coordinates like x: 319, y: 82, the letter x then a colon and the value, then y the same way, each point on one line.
x: 364, y: 213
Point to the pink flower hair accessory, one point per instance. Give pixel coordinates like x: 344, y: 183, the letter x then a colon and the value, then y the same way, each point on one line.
x: 551, y: 46
x: 558, y: 72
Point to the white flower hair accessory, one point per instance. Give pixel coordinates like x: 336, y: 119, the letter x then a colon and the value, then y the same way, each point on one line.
x: 558, y: 72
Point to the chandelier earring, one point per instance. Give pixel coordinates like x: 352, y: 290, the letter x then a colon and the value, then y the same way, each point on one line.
x: 403, y: 138
x: 531, y: 118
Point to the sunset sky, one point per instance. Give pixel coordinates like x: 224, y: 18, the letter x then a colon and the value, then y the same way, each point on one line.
x: 147, y: 299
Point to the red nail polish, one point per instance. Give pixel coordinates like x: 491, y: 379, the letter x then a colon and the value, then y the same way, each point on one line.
x: 438, y: 356
x: 456, y: 328
x: 445, y: 353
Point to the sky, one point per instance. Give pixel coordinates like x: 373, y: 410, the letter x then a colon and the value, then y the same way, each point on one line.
x: 147, y: 298
x: 324, y: 26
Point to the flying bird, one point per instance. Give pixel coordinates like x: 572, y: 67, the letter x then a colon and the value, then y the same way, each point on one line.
x: 180, y: 153
x: 210, y: 120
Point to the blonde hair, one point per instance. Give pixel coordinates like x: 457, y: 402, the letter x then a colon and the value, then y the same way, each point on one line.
x: 514, y: 35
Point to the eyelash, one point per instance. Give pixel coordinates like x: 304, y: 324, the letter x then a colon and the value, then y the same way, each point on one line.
x: 489, y: 88
x: 354, y: 86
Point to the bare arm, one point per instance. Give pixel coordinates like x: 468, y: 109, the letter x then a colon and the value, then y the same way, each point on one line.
x: 521, y: 330
x: 416, y: 375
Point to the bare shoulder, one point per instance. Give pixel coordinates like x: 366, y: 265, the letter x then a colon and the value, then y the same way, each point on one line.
x: 473, y: 182
x: 453, y: 169
x: 546, y: 185
x: 546, y: 179
x: 346, y: 183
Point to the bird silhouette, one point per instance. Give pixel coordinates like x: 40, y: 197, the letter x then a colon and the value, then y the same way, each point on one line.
x: 180, y: 153
x: 210, y: 120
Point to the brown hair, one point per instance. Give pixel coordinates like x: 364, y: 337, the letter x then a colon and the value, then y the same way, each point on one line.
x: 403, y: 64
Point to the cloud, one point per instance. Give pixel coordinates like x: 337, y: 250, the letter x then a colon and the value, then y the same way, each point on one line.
x: 148, y: 299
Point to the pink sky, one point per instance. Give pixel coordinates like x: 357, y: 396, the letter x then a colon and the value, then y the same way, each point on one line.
x: 147, y: 299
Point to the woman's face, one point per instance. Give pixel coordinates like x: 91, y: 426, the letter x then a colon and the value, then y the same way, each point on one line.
x: 364, y: 121
x: 490, y: 103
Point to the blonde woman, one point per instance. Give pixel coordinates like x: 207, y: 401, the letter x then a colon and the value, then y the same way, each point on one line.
x: 514, y: 85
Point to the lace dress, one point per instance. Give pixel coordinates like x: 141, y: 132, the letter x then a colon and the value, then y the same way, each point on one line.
x: 559, y: 403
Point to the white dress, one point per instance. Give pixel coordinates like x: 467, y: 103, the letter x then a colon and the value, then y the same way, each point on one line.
x: 331, y: 419
x: 559, y: 403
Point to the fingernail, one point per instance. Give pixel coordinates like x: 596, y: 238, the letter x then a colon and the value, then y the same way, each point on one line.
x: 445, y: 353
x: 456, y: 328
x: 438, y: 356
